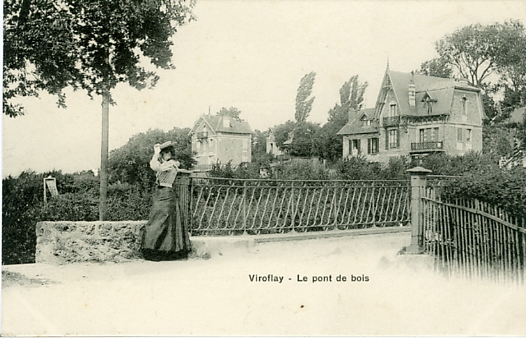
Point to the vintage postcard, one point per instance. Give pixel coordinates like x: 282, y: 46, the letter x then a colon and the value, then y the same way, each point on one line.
x: 264, y: 168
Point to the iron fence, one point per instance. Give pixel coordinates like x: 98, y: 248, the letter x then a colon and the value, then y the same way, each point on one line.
x: 471, y: 238
x: 222, y: 206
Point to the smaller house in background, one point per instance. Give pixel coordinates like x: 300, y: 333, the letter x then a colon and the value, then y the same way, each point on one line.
x: 361, y: 123
x: 272, y: 147
x: 221, y: 139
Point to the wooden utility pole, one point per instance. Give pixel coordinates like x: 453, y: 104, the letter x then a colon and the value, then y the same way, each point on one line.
x: 104, y: 155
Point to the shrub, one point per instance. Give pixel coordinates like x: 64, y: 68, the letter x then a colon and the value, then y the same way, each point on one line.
x: 302, y: 169
x: 69, y: 207
x: 472, y: 162
x: 358, y: 168
x: 19, y: 198
x: 503, y: 188
x: 128, y: 203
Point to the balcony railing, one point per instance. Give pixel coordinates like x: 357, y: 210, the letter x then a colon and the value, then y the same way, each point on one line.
x: 202, y: 134
x: 426, y: 146
x: 391, y: 121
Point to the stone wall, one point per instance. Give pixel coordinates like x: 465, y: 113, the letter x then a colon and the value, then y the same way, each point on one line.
x: 69, y: 242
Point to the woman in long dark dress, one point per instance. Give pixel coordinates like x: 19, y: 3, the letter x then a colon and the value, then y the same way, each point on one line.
x: 166, y: 235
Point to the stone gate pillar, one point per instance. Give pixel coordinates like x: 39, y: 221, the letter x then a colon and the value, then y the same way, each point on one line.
x: 418, y: 184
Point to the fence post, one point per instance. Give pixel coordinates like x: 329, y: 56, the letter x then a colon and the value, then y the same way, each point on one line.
x: 182, y: 184
x: 418, y: 183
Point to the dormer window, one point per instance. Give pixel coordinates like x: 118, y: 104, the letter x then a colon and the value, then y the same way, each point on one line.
x: 365, y: 121
x: 226, y: 122
x: 428, y: 103
x: 464, y: 105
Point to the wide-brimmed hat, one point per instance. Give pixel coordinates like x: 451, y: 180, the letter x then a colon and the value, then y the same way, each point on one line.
x: 167, y: 144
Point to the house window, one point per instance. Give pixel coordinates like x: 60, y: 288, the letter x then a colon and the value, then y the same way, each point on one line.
x: 392, y: 110
x: 464, y: 106
x: 428, y: 103
x: 393, y: 140
x: 365, y: 121
x: 428, y: 134
x: 355, y: 147
x: 459, y: 134
x: 429, y: 107
x: 468, y: 135
x: 373, y: 145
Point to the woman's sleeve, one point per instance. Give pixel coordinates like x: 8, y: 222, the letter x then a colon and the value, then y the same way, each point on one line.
x: 155, y: 164
x: 168, y: 165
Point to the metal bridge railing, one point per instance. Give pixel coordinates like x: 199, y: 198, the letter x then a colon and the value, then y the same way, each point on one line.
x: 221, y: 206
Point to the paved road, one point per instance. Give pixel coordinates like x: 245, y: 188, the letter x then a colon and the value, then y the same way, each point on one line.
x: 217, y: 297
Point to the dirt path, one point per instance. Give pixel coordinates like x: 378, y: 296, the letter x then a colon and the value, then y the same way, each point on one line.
x: 217, y: 296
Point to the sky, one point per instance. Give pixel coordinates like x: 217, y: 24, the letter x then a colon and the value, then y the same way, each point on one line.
x: 250, y: 55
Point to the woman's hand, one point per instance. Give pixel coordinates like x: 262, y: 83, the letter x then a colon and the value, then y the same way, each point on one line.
x: 157, y: 149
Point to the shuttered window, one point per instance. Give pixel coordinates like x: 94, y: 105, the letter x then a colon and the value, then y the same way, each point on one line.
x: 394, y: 139
x: 373, y: 145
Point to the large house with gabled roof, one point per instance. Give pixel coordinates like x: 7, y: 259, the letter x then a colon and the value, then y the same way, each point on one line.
x: 221, y: 139
x: 416, y: 115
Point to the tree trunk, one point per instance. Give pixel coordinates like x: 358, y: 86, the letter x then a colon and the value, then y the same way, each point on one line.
x: 104, y: 155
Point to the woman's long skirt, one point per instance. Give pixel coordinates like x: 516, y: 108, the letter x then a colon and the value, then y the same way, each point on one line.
x: 166, y: 233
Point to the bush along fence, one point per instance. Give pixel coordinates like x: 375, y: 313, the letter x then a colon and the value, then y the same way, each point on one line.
x: 468, y: 237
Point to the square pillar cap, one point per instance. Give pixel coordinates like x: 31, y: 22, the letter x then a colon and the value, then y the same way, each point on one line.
x: 419, y: 171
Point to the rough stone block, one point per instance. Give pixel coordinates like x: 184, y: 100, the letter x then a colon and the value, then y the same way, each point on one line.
x: 68, y: 242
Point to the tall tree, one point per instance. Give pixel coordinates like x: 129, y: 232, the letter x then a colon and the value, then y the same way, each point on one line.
x: 479, y: 53
x: 351, y: 97
x: 90, y: 45
x: 511, y: 64
x: 303, y: 99
x: 329, y: 144
x: 304, y: 141
x: 438, y: 67
x: 472, y: 51
x: 232, y: 112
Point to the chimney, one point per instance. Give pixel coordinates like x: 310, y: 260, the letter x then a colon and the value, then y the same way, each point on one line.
x: 412, y: 90
x: 226, y: 121
x: 464, y: 81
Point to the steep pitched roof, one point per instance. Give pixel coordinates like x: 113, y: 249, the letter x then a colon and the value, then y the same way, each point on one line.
x: 355, y: 126
x: 440, y: 89
x: 216, y: 124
